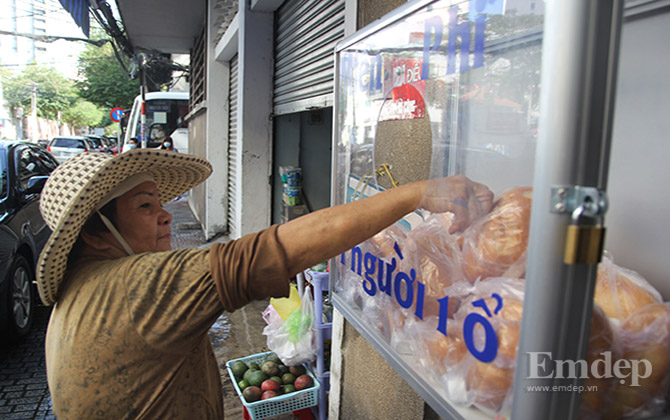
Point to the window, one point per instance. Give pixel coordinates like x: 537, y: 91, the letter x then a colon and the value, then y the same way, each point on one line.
x: 170, y: 113
x: 70, y: 143
x: 97, y: 143
x: 27, y: 167
x: 198, y: 71
x: 48, y: 162
x: 32, y: 162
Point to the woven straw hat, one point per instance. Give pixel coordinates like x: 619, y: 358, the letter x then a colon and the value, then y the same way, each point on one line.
x: 80, y: 183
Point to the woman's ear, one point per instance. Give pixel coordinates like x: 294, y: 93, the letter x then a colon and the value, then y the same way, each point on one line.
x: 97, y: 241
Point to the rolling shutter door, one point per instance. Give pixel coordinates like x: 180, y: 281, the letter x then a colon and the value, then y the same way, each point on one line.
x: 233, y: 152
x: 306, y: 34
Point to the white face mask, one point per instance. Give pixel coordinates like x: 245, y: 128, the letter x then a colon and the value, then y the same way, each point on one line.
x: 132, y: 146
x: 167, y: 144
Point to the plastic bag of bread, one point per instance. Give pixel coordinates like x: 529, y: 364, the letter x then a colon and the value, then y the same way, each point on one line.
x: 596, y: 397
x: 497, y: 241
x: 383, y: 243
x: 434, y: 353
x: 620, y: 292
x: 435, y: 256
x: 488, y: 384
x: 645, y: 342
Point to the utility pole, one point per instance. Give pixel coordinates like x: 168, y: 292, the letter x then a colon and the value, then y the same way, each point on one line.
x: 33, y: 114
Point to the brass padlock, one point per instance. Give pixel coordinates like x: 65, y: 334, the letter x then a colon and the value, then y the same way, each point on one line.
x: 584, y: 240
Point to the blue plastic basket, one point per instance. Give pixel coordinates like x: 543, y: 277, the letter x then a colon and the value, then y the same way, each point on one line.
x: 280, y: 404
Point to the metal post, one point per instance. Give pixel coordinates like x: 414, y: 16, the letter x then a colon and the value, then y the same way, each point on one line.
x: 143, y: 90
x: 580, y: 53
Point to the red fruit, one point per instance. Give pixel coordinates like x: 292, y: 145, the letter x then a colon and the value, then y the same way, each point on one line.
x: 270, y: 385
x: 303, y: 382
x: 268, y: 394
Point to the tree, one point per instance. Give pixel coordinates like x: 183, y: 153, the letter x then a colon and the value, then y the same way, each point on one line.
x: 83, y: 114
x: 103, y: 81
x: 53, y: 91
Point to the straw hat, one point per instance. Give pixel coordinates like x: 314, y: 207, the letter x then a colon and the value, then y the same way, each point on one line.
x: 80, y: 183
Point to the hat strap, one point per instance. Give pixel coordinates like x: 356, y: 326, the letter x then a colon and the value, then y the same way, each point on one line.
x: 115, y: 233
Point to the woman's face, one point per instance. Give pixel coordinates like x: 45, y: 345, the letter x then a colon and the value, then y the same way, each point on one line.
x: 141, y: 220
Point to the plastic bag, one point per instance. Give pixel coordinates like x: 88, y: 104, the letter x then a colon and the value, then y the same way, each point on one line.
x: 645, y: 338
x: 285, y: 306
x: 620, y: 292
x: 294, y: 340
x: 497, y: 241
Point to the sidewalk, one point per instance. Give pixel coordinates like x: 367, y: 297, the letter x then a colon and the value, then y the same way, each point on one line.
x: 234, y: 335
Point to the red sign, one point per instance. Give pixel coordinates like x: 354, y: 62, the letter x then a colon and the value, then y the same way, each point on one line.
x: 116, y: 114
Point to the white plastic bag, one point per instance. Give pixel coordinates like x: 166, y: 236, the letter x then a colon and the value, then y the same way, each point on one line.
x: 294, y: 340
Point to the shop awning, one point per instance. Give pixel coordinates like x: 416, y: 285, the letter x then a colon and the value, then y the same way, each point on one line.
x: 167, y: 26
x: 79, y: 11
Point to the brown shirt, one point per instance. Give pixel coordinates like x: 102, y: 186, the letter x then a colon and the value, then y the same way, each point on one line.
x: 128, y: 339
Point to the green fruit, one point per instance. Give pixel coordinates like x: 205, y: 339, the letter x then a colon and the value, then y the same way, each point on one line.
x: 270, y: 368
x: 252, y: 393
x: 248, y: 373
x: 288, y: 378
x: 238, y: 368
x: 242, y: 384
x: 272, y: 357
x: 277, y: 379
x: 257, y: 377
x: 253, y: 365
x: 287, y: 389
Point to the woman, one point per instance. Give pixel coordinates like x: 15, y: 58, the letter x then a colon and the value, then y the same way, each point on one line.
x: 167, y: 144
x: 127, y: 336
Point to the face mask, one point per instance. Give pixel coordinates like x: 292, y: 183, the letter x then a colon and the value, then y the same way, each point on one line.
x: 132, y: 146
x: 166, y: 144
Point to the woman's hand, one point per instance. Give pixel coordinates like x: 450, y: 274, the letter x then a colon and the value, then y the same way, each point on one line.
x: 466, y: 199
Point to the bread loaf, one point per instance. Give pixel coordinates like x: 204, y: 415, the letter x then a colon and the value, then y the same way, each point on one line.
x: 493, y: 244
x: 620, y: 292
x: 645, y: 336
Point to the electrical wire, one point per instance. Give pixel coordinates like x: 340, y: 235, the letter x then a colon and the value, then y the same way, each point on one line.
x: 52, y: 38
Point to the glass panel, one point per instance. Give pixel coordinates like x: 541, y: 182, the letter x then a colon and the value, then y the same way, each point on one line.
x: 450, y: 89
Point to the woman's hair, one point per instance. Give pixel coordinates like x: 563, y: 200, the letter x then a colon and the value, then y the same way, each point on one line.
x: 94, y: 225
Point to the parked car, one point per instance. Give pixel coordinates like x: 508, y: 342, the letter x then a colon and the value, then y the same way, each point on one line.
x: 114, y: 145
x: 24, y: 169
x: 97, y: 143
x: 110, y: 144
x: 63, y: 148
